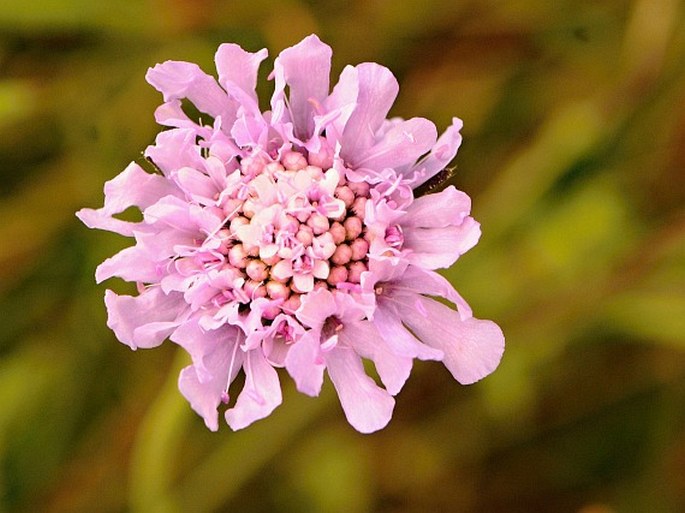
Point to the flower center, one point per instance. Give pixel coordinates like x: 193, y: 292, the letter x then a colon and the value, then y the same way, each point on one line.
x: 291, y: 227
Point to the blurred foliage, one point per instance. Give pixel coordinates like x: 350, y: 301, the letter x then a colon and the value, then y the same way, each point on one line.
x: 574, y: 154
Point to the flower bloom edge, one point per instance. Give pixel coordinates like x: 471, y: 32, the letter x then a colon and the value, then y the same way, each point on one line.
x: 292, y: 238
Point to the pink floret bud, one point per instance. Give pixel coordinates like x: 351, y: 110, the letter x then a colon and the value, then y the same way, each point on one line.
x: 323, y: 158
x: 271, y: 311
x: 318, y: 223
x: 359, y: 207
x: 337, y: 231
x: 250, y: 208
x: 252, y: 166
x: 277, y: 290
x: 291, y: 304
x: 337, y: 275
x: 355, y: 271
x: 359, y: 188
x: 224, y: 236
x: 254, y: 289
x: 294, y: 160
x: 345, y: 194
x: 256, y: 269
x: 273, y: 168
x: 282, y: 271
x: 353, y: 227
x: 343, y: 254
x: 231, y: 207
x: 359, y: 249
x: 237, y: 256
x: 320, y: 285
x: 305, y: 235
x: 237, y: 222
x: 315, y: 172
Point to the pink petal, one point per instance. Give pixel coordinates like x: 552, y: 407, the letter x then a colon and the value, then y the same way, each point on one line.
x: 173, y: 212
x: 305, y: 365
x: 402, y: 144
x: 443, y: 152
x: 215, y: 353
x: 377, y: 90
x: 133, y: 187
x: 171, y: 114
x: 174, y: 149
x: 424, y: 281
x: 367, y: 407
x: 197, y: 185
x: 204, y: 398
x: 130, y: 264
x: 473, y: 348
x: 102, y: 221
x: 445, y: 208
x: 177, y: 80
x: 161, y: 243
x: 392, y: 368
x: 305, y: 68
x: 435, y: 248
x: 261, y: 394
x: 217, y: 360
x: 340, y: 104
x: 239, y: 68
x: 399, y: 340
x: 144, y: 320
x: 316, y: 307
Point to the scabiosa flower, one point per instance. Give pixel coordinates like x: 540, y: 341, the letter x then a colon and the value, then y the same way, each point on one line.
x: 293, y: 238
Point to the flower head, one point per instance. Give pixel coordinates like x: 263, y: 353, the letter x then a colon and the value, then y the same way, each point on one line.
x: 292, y: 238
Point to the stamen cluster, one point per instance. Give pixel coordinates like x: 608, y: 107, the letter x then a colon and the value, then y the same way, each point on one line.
x: 291, y: 227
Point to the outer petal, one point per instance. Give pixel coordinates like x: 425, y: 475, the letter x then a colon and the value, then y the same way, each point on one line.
x: 144, y: 320
x: 392, y: 368
x: 173, y: 212
x: 177, y: 80
x: 402, y: 144
x: 261, y: 394
x: 445, y: 208
x: 423, y: 281
x: 130, y: 264
x: 316, y: 307
x: 197, y: 185
x: 204, y: 398
x: 377, y: 90
x: 238, y: 67
x: 305, y: 68
x: 400, y: 341
x: 171, y: 114
x: 435, y: 248
x: 473, y: 348
x: 133, y: 187
x: 215, y: 353
x: 441, y: 154
x: 341, y: 104
x: 367, y: 407
x: 174, y: 149
x: 217, y: 360
x: 305, y: 364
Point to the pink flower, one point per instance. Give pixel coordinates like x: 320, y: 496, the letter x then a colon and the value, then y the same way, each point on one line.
x: 293, y: 239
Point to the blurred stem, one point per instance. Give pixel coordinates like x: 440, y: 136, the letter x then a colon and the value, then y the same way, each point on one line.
x: 246, y: 452
x: 568, y: 135
x: 159, y: 436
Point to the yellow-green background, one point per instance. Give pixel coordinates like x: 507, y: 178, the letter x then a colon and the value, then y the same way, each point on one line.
x: 574, y: 152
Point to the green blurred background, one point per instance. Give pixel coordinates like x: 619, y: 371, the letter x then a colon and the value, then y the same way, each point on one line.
x: 574, y: 153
